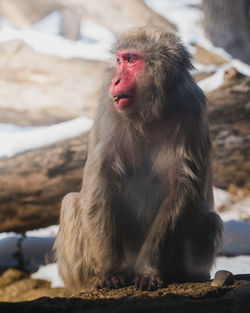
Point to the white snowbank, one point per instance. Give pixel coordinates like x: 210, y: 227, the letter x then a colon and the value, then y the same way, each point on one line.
x: 17, y: 140
x: 49, y: 231
x: 236, y: 265
x: 44, y: 38
x: 214, y: 81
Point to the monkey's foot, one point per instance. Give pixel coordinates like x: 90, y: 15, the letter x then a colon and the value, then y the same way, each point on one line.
x: 148, y: 282
x: 113, y: 281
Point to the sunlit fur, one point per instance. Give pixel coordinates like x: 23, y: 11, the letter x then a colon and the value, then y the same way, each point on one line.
x: 146, y: 204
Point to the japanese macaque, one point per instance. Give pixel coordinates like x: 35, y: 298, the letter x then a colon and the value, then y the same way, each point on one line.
x: 144, y: 215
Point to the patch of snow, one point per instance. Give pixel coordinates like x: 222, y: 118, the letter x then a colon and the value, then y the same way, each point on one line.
x: 43, y: 37
x: 233, y: 207
x: 49, y: 272
x: 236, y: 265
x: 214, y: 81
x: 241, y: 66
x: 21, y: 139
x: 49, y: 25
x: 97, y: 32
x: 220, y: 197
x: 49, y: 231
x: 202, y: 68
x: 8, y: 234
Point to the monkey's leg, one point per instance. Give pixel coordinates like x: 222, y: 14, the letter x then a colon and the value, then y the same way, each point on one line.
x: 85, y: 260
x: 203, y: 231
x: 202, y: 242
x: 71, y: 244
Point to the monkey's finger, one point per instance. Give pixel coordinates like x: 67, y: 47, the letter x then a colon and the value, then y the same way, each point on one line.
x: 108, y: 283
x: 159, y: 282
x: 152, y: 284
x: 115, y: 282
x: 137, y: 282
x: 144, y: 283
x: 123, y: 280
x: 100, y: 284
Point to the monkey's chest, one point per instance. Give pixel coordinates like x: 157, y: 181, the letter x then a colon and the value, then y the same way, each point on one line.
x: 141, y: 195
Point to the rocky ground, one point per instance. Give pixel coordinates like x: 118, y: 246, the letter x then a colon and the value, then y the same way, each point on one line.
x: 20, y: 293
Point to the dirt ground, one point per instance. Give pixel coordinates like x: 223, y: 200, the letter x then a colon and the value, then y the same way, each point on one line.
x: 20, y: 293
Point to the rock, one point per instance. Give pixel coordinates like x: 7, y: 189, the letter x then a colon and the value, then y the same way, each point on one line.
x: 229, y: 115
x: 222, y: 278
x: 50, y: 89
x: 34, y: 183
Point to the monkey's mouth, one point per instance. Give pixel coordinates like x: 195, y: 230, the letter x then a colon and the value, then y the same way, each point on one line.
x: 122, y: 96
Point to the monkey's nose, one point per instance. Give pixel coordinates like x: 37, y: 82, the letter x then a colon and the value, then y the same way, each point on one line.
x: 117, y: 82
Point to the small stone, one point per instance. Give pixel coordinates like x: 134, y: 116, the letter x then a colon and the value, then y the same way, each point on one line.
x: 222, y: 278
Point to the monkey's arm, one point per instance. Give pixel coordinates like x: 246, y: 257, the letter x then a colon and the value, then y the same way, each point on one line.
x: 185, y: 212
x: 98, y: 202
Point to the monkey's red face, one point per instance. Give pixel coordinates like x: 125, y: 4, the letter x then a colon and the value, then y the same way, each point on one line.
x: 129, y: 65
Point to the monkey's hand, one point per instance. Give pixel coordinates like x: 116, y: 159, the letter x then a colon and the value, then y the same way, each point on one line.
x: 113, y: 280
x: 148, y: 282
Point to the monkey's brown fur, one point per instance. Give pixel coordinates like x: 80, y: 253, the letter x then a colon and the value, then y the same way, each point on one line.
x: 145, y: 213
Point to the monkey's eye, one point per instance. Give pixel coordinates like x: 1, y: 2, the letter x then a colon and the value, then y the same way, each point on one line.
x: 131, y: 58
x: 118, y: 61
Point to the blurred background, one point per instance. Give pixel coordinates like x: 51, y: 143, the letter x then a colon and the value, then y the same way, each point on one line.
x: 53, y: 54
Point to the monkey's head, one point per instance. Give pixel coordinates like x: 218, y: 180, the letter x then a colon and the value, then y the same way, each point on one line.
x: 149, y: 63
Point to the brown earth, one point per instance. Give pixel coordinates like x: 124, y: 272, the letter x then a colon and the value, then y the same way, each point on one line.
x: 19, y: 293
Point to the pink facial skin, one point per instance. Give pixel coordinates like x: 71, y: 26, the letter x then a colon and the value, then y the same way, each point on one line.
x: 129, y: 64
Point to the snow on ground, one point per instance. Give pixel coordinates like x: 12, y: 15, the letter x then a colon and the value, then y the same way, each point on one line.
x: 50, y: 231
x: 214, y: 81
x: 15, y: 140
x: 237, y: 265
x: 43, y: 37
x: 49, y: 272
x: 231, y: 207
